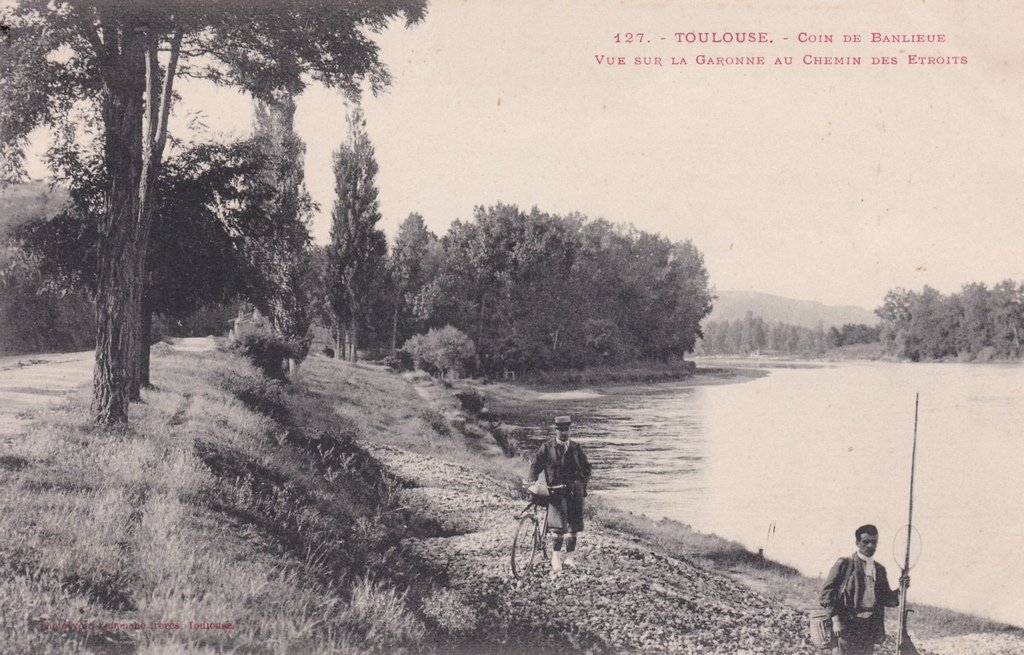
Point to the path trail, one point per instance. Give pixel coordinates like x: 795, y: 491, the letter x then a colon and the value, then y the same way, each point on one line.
x: 624, y: 596
x: 29, y: 383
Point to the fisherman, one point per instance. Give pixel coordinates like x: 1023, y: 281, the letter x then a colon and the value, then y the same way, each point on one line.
x: 564, y: 463
x: 856, y: 593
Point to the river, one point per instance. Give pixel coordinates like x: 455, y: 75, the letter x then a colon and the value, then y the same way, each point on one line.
x: 792, y: 462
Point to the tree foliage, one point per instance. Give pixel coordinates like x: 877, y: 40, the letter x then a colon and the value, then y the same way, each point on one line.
x: 415, y: 260
x: 538, y: 291
x: 358, y: 248
x: 753, y: 335
x: 976, y: 323
x: 277, y: 253
x: 446, y: 351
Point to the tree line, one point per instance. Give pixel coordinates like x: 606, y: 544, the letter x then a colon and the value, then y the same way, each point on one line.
x: 536, y: 291
x: 976, y: 323
x: 753, y: 335
x: 508, y: 291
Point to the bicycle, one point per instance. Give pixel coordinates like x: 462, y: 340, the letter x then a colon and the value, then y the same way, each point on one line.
x: 530, y: 532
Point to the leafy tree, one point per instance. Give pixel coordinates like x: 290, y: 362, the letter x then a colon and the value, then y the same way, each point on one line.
x: 357, y: 248
x: 446, y: 351
x: 896, y: 314
x: 692, y: 299
x: 932, y: 328
x: 1007, y: 316
x: 415, y: 260
x: 37, y: 315
x: 976, y: 327
x: 125, y: 57
x: 278, y: 253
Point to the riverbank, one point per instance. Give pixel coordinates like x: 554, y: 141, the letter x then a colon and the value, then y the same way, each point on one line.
x: 640, y: 373
x: 354, y: 511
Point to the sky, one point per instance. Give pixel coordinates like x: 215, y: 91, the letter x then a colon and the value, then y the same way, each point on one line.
x: 824, y: 182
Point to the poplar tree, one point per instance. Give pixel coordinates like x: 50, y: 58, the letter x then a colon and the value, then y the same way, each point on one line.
x: 357, y: 247
x: 279, y: 253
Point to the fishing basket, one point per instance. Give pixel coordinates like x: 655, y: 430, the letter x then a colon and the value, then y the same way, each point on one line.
x: 819, y: 626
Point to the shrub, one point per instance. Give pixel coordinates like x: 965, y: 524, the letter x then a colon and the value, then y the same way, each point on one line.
x: 254, y: 391
x: 471, y: 400
x: 444, y: 352
x: 266, y: 350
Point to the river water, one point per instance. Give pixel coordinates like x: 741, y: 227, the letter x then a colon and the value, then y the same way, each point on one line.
x: 792, y: 462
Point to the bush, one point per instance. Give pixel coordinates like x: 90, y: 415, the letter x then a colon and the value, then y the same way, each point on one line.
x: 266, y: 350
x: 444, y: 352
x: 254, y: 391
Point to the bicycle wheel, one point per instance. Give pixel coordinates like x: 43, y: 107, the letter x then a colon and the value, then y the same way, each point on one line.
x: 524, y: 546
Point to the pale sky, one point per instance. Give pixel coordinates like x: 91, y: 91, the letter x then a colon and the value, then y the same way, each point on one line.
x: 833, y: 183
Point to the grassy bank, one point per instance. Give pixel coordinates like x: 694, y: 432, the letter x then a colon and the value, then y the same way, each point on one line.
x: 234, y: 514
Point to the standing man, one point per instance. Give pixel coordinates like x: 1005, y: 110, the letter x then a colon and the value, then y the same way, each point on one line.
x: 856, y: 593
x: 563, y: 462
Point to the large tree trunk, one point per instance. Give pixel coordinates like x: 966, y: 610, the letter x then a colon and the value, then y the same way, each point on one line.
x: 118, y: 295
x: 141, y: 316
x: 156, y: 111
x: 134, y: 137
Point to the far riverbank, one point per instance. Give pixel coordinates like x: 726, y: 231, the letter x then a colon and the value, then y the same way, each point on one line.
x: 641, y: 373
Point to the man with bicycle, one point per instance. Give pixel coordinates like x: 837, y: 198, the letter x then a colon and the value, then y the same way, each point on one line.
x: 564, y: 465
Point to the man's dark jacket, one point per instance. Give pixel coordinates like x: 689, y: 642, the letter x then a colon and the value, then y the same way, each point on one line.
x: 844, y: 588
x: 571, y: 468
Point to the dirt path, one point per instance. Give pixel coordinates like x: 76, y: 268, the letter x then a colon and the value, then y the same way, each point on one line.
x: 30, y: 383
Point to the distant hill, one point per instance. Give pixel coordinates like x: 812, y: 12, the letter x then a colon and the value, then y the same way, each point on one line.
x: 732, y: 305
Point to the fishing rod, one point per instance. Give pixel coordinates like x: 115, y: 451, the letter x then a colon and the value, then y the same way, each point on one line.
x: 903, y: 643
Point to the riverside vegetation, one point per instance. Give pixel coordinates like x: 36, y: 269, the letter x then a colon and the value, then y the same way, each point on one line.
x: 353, y: 511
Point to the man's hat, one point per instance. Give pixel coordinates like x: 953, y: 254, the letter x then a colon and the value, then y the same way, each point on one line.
x: 562, y: 421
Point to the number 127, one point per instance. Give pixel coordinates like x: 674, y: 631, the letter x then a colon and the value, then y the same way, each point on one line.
x: 629, y: 37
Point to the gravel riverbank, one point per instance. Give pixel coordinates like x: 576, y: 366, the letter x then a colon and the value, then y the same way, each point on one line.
x: 622, y: 597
